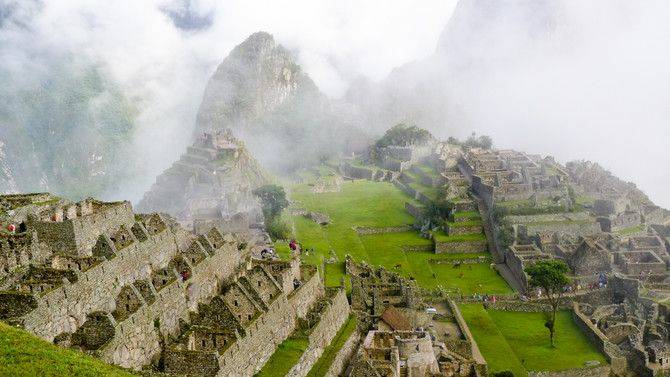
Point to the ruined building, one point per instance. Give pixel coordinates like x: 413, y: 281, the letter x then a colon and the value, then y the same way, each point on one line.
x: 139, y: 291
x: 630, y: 329
x: 210, y: 185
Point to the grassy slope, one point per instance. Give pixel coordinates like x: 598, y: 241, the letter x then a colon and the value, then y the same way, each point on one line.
x: 23, y: 354
x: 519, y: 341
x: 284, y: 357
x: 321, y: 366
x: 375, y: 204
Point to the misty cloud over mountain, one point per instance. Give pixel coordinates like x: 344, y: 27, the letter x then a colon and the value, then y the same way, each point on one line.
x: 568, y: 78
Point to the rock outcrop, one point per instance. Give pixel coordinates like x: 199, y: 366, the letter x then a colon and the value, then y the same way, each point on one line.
x: 210, y: 185
x: 267, y: 100
x: 256, y: 78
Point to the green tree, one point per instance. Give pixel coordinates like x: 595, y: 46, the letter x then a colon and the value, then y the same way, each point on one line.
x: 482, y: 141
x: 437, y: 211
x: 404, y: 135
x: 550, y: 276
x: 273, y: 200
x: 278, y: 228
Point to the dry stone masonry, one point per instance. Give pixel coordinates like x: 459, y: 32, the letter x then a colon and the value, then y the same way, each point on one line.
x: 141, y: 292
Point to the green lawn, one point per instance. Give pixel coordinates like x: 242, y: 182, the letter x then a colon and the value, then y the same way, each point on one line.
x: 23, y: 354
x: 467, y: 214
x: 285, y: 356
x: 461, y: 224
x: 442, y: 237
x: 519, y: 341
x: 322, y: 365
x: 380, y: 204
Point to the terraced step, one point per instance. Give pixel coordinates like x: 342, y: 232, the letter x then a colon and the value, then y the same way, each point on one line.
x: 464, y: 227
x: 464, y: 243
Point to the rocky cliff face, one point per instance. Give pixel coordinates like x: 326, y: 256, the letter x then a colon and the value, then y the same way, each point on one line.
x: 262, y: 94
x: 256, y: 78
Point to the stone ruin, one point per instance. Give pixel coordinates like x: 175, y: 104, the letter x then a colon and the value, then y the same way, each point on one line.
x: 210, y: 186
x: 398, y: 158
x: 386, y: 353
x: 374, y: 289
x: 513, y: 175
x: 630, y: 329
x: 139, y: 291
x: 403, y: 338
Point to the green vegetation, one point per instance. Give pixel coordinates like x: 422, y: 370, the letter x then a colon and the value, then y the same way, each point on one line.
x: 404, y: 135
x: 285, y: 356
x: 516, y: 341
x: 630, y: 230
x: 279, y: 228
x: 467, y: 214
x: 438, y: 210
x: 333, y: 273
x: 273, y: 202
x: 433, y: 193
x: 23, y: 354
x: 282, y: 249
x: 473, y: 141
x: 550, y: 275
x: 323, y: 364
x: 463, y: 224
x: 380, y: 204
x: 441, y: 237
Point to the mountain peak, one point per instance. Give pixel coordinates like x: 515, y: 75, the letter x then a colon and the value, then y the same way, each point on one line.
x: 257, y: 76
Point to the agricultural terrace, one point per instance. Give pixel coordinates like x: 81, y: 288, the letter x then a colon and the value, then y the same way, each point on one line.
x: 363, y: 203
x: 519, y: 342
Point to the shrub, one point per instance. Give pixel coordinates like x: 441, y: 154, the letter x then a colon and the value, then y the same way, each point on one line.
x: 273, y: 200
x: 278, y: 228
x: 504, y: 373
x: 404, y: 135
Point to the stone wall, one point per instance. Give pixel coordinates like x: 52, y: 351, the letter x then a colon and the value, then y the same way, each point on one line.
x: 480, y: 364
x: 484, y: 191
x: 152, y: 311
x: 78, y: 235
x: 423, y: 198
x: 362, y: 230
x: 515, y: 265
x: 415, y: 211
x: 548, y: 217
x: 460, y: 247
x: 137, y: 339
x: 355, y: 172
x: 601, y: 371
x: 574, y: 228
x: 332, y: 319
x: 249, y: 353
x: 458, y: 230
x: 617, y: 362
x: 65, y: 308
x: 344, y: 355
x: 405, y: 188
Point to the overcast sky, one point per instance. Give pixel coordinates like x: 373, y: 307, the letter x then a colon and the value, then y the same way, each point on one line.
x: 598, y: 89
